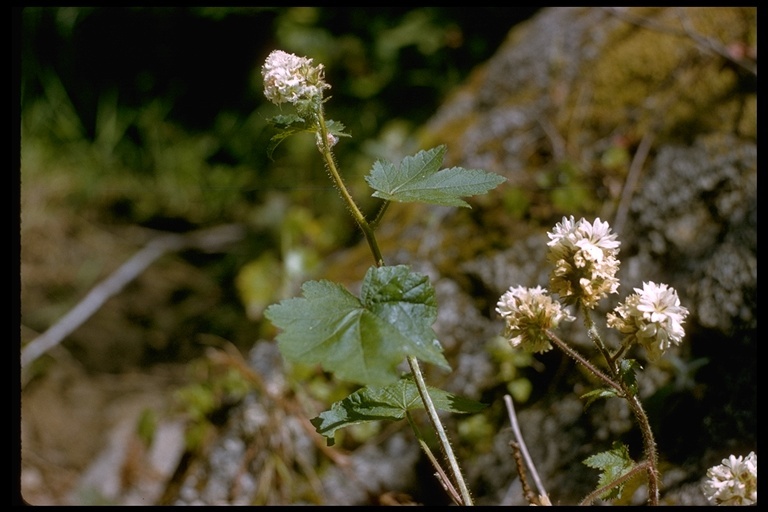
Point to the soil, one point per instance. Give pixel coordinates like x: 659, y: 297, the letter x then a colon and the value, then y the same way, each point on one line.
x: 82, y: 401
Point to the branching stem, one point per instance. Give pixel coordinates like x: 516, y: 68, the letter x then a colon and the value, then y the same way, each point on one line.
x: 649, y: 444
x: 618, y: 383
x: 368, y: 230
x: 439, y: 430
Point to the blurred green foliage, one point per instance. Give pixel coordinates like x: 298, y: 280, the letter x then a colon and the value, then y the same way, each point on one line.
x: 161, y: 109
x: 213, y: 390
x: 157, y: 117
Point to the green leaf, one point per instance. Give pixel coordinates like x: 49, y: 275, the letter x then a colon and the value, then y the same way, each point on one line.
x: 597, y: 394
x: 361, y: 340
x: 289, y: 122
x: 419, y: 179
x: 336, y: 128
x: 287, y: 125
x: 613, y: 463
x: 386, y: 403
x: 627, y: 369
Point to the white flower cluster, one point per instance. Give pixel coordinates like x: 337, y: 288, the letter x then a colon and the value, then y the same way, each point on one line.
x: 527, y: 313
x: 734, y: 482
x: 652, y: 316
x: 584, y: 257
x: 292, y: 79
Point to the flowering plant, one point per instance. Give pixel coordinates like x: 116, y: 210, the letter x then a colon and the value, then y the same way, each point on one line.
x: 364, y: 339
x: 585, y: 263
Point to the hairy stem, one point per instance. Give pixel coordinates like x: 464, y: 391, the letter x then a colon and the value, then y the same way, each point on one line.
x: 649, y: 445
x: 581, y: 360
x: 368, y: 231
x: 440, y: 473
x: 365, y: 227
x: 379, y: 214
x: 439, y: 430
x: 594, y: 335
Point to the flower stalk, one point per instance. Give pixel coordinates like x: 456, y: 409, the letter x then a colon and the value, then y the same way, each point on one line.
x: 413, y: 363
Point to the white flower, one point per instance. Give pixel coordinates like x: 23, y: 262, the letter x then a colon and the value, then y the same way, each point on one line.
x: 734, y: 482
x: 584, y: 257
x: 527, y: 313
x: 292, y: 79
x: 653, y: 317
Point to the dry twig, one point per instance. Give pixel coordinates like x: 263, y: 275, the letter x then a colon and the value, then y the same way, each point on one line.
x: 207, y: 239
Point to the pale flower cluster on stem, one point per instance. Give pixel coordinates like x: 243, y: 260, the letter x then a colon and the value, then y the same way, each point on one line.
x: 734, y: 482
x: 584, y: 257
x: 528, y: 313
x: 652, y: 317
x: 292, y: 79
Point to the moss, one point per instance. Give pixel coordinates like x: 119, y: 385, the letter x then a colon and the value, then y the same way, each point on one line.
x: 670, y: 78
x: 639, y: 72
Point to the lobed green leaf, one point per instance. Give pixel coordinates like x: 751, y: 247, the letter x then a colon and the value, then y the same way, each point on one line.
x: 361, y: 340
x: 419, y: 178
x: 386, y: 403
x: 613, y: 464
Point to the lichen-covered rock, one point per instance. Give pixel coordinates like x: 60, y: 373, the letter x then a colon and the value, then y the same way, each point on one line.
x: 697, y: 210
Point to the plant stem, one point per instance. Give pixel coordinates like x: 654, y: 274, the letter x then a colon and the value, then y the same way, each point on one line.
x: 353, y: 208
x: 438, y: 426
x: 581, y: 360
x: 521, y: 444
x: 649, y: 444
x: 379, y: 214
x: 597, y: 340
x: 370, y: 236
x: 444, y: 479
